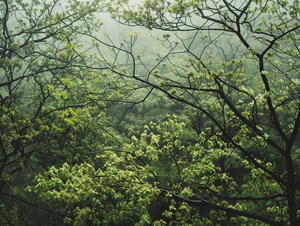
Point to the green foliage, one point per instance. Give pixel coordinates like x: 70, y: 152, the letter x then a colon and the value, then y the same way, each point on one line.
x: 110, y: 192
x: 200, y: 129
x: 50, y: 112
x: 239, y: 79
x: 206, y: 168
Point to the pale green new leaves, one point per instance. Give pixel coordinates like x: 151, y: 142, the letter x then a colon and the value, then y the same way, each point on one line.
x: 113, y: 193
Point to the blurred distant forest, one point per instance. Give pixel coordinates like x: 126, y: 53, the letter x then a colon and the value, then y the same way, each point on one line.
x: 150, y: 112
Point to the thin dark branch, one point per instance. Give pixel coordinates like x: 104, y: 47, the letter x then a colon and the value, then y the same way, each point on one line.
x: 204, y: 204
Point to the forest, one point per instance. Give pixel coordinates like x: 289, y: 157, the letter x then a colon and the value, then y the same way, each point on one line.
x: 149, y: 112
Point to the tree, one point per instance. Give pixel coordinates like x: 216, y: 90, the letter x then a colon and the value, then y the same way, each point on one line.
x: 251, y: 99
x: 52, y: 101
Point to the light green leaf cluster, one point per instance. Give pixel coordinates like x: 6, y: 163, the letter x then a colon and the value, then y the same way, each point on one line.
x: 112, y: 193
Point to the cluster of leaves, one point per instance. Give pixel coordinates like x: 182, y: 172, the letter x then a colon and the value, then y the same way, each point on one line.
x: 207, y: 169
x: 110, y: 192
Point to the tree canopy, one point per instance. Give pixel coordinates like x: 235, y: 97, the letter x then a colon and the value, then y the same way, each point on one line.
x: 187, y: 113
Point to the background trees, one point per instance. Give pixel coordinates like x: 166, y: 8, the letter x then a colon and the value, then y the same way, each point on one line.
x: 198, y: 125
